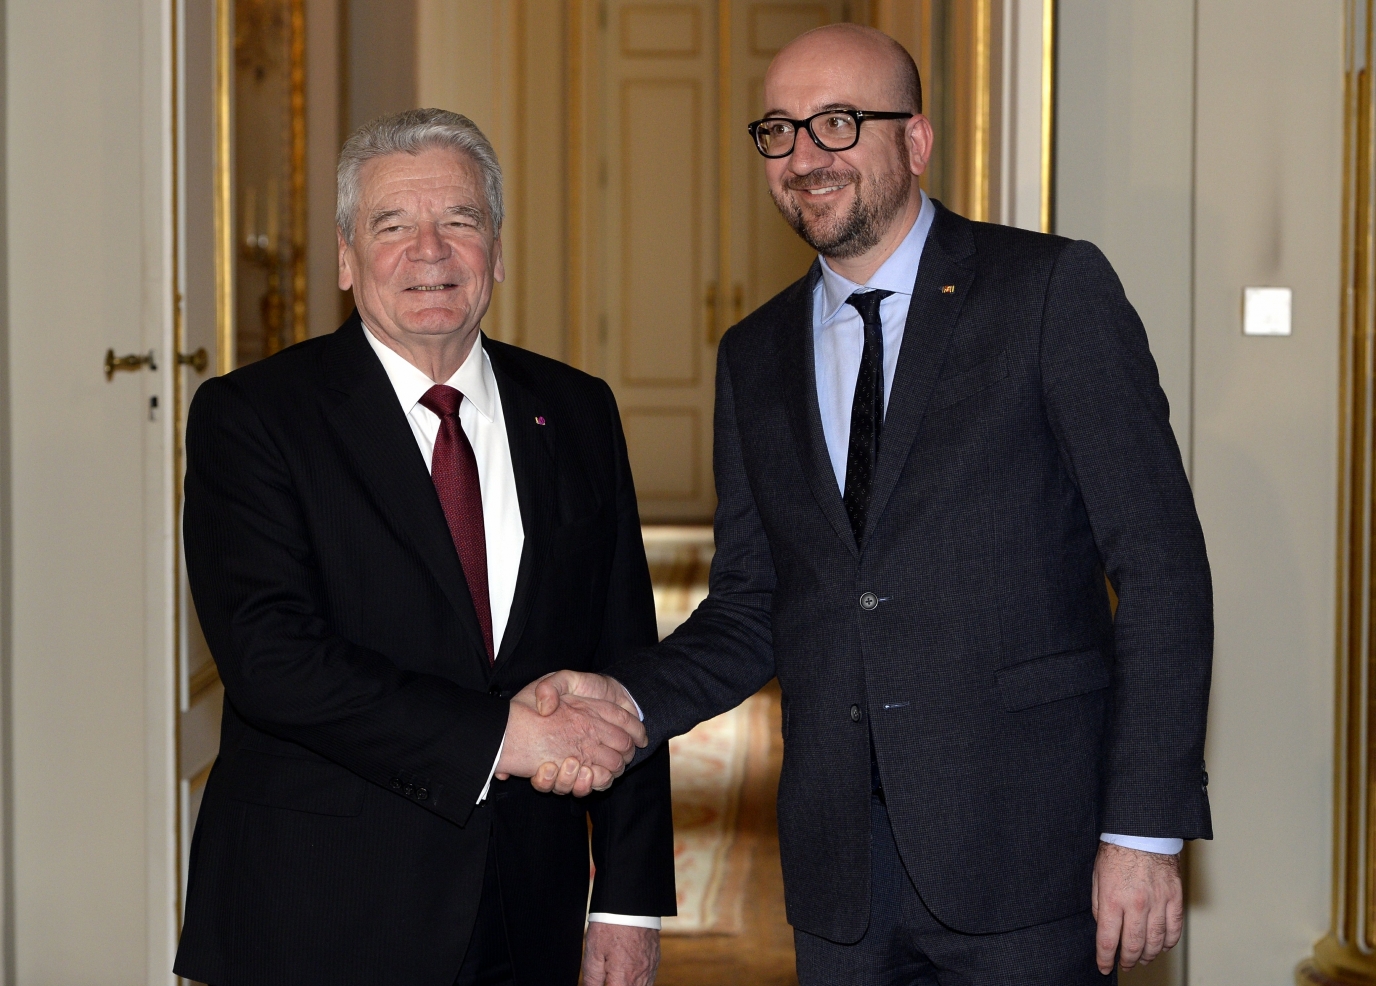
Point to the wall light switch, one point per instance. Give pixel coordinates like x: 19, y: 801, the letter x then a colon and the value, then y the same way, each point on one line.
x: 1266, y: 311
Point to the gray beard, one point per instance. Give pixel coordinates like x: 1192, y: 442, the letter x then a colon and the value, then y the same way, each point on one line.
x: 877, y: 203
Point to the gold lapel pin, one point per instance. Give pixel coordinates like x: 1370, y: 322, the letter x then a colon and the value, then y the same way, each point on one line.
x: 948, y: 289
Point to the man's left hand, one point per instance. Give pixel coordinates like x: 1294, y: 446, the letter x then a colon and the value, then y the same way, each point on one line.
x: 1138, y: 903
x: 619, y: 955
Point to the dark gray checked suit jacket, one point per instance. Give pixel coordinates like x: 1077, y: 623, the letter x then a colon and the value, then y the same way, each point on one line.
x: 1026, y: 453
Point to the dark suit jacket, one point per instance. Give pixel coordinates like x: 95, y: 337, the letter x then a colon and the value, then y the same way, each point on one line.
x: 339, y: 840
x: 1026, y: 452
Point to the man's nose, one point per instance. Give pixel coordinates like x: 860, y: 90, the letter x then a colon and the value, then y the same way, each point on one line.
x: 428, y: 244
x: 807, y: 156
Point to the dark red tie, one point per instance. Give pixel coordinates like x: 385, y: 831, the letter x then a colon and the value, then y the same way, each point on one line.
x: 454, y: 470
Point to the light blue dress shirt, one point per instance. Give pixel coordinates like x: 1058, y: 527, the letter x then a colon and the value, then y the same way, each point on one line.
x: 838, y: 336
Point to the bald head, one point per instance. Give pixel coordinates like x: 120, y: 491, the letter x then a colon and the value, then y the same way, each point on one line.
x: 851, y: 47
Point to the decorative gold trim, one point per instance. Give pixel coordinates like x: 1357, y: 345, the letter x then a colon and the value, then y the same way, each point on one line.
x: 725, y: 132
x: 300, y: 331
x: 224, y: 186
x: 1344, y: 957
x: 1048, y: 112
x: 980, y: 144
x: 575, y: 264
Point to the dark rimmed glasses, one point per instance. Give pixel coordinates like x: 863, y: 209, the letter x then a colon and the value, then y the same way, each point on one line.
x: 831, y: 130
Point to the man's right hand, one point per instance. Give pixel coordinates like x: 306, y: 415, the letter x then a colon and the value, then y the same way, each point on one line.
x: 575, y: 745
x: 554, y: 691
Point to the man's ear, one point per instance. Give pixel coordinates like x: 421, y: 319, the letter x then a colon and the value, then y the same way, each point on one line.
x: 346, y: 276
x: 498, y: 267
x: 918, y: 139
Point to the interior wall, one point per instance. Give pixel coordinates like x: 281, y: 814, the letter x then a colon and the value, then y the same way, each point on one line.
x: 1199, y: 145
x: 1124, y: 162
x: 1268, y: 187
x: 7, y: 970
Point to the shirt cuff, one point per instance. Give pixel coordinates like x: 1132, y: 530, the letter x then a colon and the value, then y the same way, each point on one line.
x: 1163, y: 847
x: 629, y: 920
x: 495, y: 760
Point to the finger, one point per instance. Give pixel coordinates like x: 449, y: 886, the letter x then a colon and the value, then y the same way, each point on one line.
x: 1134, y: 937
x: 612, y: 715
x: 501, y: 776
x: 546, y: 697
x: 568, y: 773
x: 602, y: 778
x: 543, y: 778
x: 582, y: 783
x: 1175, y: 915
x: 1110, y: 926
x: 1155, y: 940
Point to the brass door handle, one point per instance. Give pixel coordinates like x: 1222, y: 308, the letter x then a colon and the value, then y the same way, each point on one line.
x: 133, y: 361
x: 198, y: 360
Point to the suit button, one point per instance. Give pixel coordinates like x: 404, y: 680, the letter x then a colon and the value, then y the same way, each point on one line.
x: 422, y: 794
x: 1206, y: 779
x: 869, y: 601
x: 855, y: 713
x: 396, y: 784
x: 407, y: 790
x: 494, y: 690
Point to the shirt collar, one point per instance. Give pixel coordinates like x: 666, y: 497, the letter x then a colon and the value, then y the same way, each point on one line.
x: 473, y: 379
x: 897, y: 274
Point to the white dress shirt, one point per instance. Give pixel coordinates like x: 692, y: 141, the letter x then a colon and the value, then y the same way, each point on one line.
x: 480, y: 415
x: 838, y: 337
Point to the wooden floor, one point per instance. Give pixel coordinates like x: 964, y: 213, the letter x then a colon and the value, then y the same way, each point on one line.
x: 762, y: 955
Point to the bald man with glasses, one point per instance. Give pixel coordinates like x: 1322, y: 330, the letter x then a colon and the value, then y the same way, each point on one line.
x: 930, y: 451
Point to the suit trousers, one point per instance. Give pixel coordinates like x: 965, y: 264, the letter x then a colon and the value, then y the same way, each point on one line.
x: 488, y: 959
x: 905, y: 945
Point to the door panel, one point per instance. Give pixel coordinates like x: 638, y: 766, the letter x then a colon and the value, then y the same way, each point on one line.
x: 683, y: 238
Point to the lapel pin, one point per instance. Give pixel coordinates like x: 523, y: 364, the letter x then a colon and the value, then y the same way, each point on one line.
x: 539, y: 419
x: 948, y: 289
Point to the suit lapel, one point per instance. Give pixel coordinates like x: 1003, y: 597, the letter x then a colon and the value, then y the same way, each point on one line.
x: 373, y: 430
x: 531, y: 436
x: 798, y: 383
x: 932, y: 317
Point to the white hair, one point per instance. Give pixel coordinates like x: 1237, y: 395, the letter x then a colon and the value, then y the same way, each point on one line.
x: 410, y: 133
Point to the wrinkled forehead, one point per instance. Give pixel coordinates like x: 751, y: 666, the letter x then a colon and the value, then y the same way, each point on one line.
x: 435, y: 171
x: 813, y: 75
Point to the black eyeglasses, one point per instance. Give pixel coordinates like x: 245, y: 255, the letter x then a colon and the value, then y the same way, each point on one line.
x: 831, y: 130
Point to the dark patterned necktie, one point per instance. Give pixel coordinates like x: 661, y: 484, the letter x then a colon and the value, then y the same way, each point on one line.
x: 866, y: 411
x: 454, y: 469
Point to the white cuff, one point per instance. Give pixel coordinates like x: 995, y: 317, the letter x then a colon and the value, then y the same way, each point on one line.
x: 629, y: 920
x: 498, y: 759
x: 1163, y: 847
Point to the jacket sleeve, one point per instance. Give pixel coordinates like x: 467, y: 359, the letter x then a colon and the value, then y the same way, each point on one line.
x: 724, y: 652
x: 632, y: 823
x: 1112, y: 424
x: 259, y: 597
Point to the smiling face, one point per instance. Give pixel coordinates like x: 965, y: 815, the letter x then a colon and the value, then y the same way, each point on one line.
x: 425, y: 254
x: 846, y: 204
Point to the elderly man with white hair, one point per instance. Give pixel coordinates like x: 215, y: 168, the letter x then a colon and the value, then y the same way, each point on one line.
x: 391, y: 533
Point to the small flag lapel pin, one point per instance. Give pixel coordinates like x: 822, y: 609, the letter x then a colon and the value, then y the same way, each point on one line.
x: 948, y: 289
x: 539, y: 419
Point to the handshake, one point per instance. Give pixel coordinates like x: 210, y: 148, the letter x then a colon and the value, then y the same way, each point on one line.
x: 570, y: 732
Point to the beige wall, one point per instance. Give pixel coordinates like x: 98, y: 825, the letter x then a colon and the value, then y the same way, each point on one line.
x: 1200, y: 146
x: 1268, y: 182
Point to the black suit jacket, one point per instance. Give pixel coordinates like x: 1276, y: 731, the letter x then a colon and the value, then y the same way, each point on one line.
x: 1026, y: 452
x: 339, y: 840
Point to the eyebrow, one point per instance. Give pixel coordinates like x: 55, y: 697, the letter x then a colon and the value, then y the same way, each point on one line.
x: 379, y: 218
x: 828, y: 106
